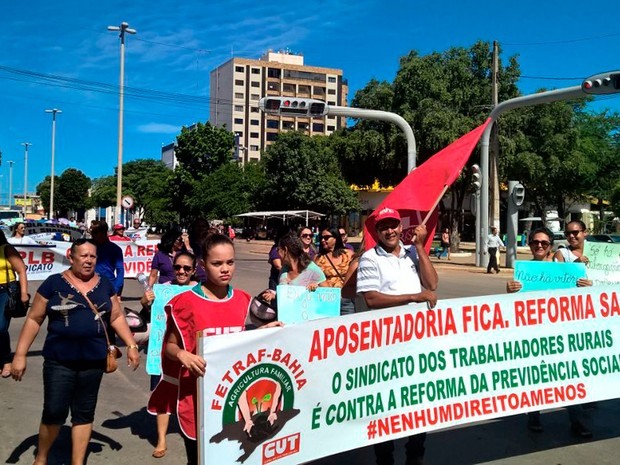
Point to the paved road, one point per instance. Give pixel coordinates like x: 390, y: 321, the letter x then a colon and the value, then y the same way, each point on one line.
x: 124, y: 432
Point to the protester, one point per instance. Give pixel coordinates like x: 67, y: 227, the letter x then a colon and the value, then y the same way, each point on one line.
x: 390, y: 275
x: 334, y: 259
x: 137, y: 222
x: 18, y: 235
x: 492, y: 245
x: 345, y: 239
x: 184, y: 267
x: 11, y: 264
x: 576, y: 234
x: 213, y: 307
x: 118, y: 233
x: 75, y: 349
x: 109, y: 257
x: 275, y: 260
x: 306, y: 236
x: 445, y: 244
x: 162, y: 270
x: 541, y: 246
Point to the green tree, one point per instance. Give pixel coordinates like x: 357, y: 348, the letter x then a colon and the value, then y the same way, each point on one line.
x: 302, y: 172
x: 43, y: 191
x: 227, y: 191
x: 103, y: 192
x: 71, y: 192
x: 203, y: 148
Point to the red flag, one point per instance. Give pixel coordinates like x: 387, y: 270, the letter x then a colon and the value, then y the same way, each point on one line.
x: 422, y: 189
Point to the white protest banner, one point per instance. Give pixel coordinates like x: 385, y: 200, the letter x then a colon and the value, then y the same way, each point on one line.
x: 352, y: 381
x: 296, y: 304
x: 163, y: 294
x: 43, y: 261
x: 538, y: 275
x: 137, y: 256
x: 603, y: 262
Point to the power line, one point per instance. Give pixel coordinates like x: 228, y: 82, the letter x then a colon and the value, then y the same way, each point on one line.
x: 565, y: 41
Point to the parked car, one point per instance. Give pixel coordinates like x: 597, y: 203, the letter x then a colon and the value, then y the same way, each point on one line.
x: 559, y: 240
x: 610, y: 238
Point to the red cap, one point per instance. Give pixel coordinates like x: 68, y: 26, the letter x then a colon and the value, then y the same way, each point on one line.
x: 387, y: 213
x: 118, y: 226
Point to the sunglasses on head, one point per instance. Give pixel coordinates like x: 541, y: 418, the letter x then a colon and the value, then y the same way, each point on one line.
x: 306, y: 235
x: 536, y: 243
x: 185, y: 268
x: 574, y: 232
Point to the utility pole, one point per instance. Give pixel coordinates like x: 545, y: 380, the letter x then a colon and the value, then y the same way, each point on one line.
x: 493, y: 168
x: 122, y: 29
x: 53, y: 112
x: 26, y: 145
x: 10, y: 183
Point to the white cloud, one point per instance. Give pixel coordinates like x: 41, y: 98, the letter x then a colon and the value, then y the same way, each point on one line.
x: 159, y: 128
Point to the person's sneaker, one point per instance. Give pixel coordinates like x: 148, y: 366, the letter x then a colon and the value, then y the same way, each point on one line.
x: 533, y: 424
x: 579, y: 430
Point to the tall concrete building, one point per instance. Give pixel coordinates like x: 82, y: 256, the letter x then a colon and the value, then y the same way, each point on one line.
x: 238, y: 85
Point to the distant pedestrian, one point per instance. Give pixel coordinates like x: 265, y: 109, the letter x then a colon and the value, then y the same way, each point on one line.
x: 109, y: 257
x: 493, y: 243
x: 118, y: 233
x: 345, y: 239
x: 445, y: 244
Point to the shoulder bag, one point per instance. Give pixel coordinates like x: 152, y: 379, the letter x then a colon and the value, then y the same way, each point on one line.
x: 14, y: 307
x: 113, y: 351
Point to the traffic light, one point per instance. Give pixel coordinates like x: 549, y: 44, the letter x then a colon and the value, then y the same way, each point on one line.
x: 476, y: 177
x: 518, y: 194
x: 290, y: 106
x: 604, y: 83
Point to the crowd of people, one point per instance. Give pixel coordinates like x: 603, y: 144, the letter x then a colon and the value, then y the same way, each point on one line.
x: 83, y: 305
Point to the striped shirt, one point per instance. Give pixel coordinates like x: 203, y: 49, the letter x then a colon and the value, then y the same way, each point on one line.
x: 384, y: 272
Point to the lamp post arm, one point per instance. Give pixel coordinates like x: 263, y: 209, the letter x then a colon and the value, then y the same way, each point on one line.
x: 381, y: 116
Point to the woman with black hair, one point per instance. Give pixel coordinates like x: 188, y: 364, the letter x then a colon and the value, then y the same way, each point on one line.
x: 334, y: 259
x: 162, y: 265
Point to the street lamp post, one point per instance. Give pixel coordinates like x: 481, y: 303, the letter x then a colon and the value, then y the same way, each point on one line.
x: 53, y: 112
x: 26, y: 145
x: 122, y: 29
x: 10, y: 183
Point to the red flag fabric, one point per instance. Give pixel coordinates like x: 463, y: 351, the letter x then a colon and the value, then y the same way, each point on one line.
x: 422, y: 189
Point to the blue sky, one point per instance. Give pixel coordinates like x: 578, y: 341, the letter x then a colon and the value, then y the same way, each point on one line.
x: 179, y: 43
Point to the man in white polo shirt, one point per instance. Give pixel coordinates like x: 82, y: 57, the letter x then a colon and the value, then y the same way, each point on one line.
x: 390, y: 275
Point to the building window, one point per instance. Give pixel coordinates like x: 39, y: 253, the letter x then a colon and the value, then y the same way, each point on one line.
x: 238, y: 107
x: 331, y: 103
x: 331, y: 79
x: 272, y: 123
x: 254, y: 135
x: 303, y: 126
x: 254, y: 109
x: 239, y: 95
x: 288, y: 125
x: 254, y: 148
x: 238, y: 82
x: 240, y: 69
x: 255, y: 70
x: 318, y: 127
x: 319, y: 91
x: 288, y: 88
x: 255, y: 97
x: 331, y: 128
x: 254, y: 122
x: 238, y: 120
x: 331, y: 91
x: 272, y: 136
x: 239, y: 133
x: 303, y: 89
x: 273, y: 86
x: 255, y: 84
x: 274, y: 73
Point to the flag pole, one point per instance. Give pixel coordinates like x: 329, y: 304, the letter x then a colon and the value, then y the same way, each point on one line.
x: 430, y: 212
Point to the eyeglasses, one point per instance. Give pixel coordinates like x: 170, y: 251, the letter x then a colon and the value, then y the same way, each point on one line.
x: 544, y: 244
x: 326, y: 238
x: 185, y: 268
x: 306, y: 236
x: 574, y: 232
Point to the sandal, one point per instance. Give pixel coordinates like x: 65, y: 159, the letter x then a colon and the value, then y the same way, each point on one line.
x: 6, y: 370
x: 159, y: 453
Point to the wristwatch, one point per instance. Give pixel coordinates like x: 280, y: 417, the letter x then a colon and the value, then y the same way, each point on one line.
x: 132, y: 346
